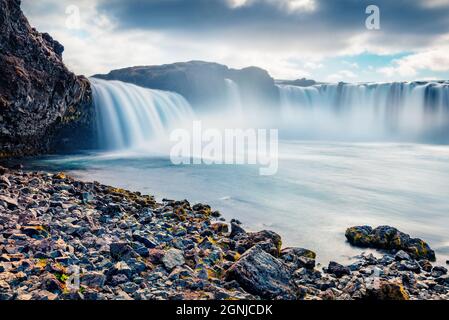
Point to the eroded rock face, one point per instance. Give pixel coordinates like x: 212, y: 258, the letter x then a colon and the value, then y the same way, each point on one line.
x: 389, y: 238
x: 37, y: 92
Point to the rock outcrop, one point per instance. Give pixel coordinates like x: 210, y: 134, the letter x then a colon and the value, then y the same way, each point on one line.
x: 38, y: 94
x: 389, y: 238
x: 203, y: 84
x: 299, y: 82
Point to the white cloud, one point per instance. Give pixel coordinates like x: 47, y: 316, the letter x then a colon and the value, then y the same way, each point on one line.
x: 98, y: 47
x: 288, y: 5
x: 313, y: 65
x: 435, y: 59
x: 435, y: 3
x: 352, y: 65
x: 301, y: 5
x: 342, y: 75
x: 237, y: 3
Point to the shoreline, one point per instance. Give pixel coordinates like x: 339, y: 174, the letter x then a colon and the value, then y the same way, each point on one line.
x: 118, y: 244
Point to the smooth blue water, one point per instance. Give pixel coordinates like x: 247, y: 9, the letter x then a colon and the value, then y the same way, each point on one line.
x: 320, y: 190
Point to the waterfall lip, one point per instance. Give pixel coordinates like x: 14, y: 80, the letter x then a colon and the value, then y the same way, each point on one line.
x: 99, y: 80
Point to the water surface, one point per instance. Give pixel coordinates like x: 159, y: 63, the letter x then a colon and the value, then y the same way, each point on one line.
x: 321, y: 189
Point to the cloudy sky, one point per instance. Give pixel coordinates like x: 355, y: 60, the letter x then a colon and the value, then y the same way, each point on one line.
x: 326, y: 40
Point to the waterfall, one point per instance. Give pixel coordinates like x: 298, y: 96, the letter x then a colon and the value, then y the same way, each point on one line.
x: 129, y: 116
x: 234, y: 97
x: 407, y: 110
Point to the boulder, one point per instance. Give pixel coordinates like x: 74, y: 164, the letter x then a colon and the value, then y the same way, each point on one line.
x: 425, y: 265
x: 219, y: 227
x: 387, y: 290
x: 148, y: 242
x: 438, y: 271
x: 298, y: 258
x: 43, y: 295
x: 406, y: 265
x: 389, y: 238
x: 10, y: 203
x: 269, y: 240
x: 236, y: 230
x: 173, y: 258
x: 95, y: 280
x: 261, y: 274
x: 120, y: 268
x: 401, y: 255
x: 338, y: 270
x: 120, y: 251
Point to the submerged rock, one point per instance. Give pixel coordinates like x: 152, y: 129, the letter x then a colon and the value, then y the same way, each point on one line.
x: 389, y: 238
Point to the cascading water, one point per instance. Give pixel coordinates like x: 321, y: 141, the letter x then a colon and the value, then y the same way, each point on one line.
x: 234, y: 97
x: 404, y: 110
x: 129, y: 116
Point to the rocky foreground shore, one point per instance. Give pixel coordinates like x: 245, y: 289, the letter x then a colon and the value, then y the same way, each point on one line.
x: 65, y: 239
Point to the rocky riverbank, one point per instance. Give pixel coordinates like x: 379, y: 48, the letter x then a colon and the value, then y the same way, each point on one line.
x: 66, y: 239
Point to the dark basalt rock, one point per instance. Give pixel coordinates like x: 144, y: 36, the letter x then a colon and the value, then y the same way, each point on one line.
x: 338, y: 270
x: 299, y: 82
x: 387, y: 290
x: 38, y: 94
x: 203, y: 84
x: 261, y: 274
x: 269, y: 241
x: 299, y: 258
x: 236, y: 230
x: 389, y: 238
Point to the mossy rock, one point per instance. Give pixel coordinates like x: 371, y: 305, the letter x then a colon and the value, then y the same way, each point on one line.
x: 389, y: 238
x: 359, y: 236
x: 389, y: 290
